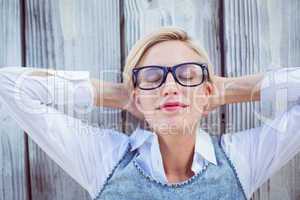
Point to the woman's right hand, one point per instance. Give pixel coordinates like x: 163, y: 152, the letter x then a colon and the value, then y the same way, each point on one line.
x: 130, y: 105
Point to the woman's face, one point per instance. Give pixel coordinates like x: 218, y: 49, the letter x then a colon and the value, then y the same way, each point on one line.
x: 150, y: 102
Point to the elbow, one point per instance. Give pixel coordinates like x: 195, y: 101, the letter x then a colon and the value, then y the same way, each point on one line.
x: 295, y: 114
x: 289, y: 122
x: 6, y: 84
x: 4, y: 79
x: 9, y: 79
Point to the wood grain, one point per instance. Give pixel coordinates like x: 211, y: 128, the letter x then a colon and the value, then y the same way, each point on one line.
x: 13, y: 176
x: 241, y: 37
x: 72, y: 35
x: 260, y: 35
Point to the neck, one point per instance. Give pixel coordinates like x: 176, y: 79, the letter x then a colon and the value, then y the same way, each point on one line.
x: 177, y: 150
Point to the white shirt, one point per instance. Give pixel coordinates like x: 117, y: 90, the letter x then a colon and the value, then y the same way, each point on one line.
x: 88, y: 154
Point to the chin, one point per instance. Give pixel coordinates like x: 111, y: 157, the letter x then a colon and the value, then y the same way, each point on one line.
x: 172, y: 121
x: 160, y: 121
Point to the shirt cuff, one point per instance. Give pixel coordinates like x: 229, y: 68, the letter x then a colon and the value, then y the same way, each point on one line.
x: 80, y: 92
x: 63, y: 88
x: 70, y: 75
x: 280, y: 90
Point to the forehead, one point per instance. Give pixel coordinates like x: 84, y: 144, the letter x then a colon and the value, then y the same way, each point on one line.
x: 169, y: 53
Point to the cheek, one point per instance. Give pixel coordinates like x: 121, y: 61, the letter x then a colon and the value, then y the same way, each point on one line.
x: 148, y: 101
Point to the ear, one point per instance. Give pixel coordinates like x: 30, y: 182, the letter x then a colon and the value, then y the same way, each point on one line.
x: 208, y: 88
x: 136, y: 97
x: 208, y: 91
x: 137, y: 101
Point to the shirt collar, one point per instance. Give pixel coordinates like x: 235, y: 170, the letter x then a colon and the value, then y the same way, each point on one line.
x: 139, y: 137
x: 203, y: 147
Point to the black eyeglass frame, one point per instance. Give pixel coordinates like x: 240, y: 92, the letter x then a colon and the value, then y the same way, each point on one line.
x: 172, y: 70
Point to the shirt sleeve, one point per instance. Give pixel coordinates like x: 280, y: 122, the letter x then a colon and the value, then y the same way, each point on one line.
x: 258, y: 153
x: 87, y: 153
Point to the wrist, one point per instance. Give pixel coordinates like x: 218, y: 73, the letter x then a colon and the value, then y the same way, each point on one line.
x: 242, y: 89
x: 108, y: 94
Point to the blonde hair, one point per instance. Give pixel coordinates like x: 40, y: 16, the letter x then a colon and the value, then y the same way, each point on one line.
x: 163, y: 34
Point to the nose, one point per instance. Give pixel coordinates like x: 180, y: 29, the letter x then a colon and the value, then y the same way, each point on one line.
x: 170, y: 86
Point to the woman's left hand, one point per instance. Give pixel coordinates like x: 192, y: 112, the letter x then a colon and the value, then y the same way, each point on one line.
x: 217, y: 96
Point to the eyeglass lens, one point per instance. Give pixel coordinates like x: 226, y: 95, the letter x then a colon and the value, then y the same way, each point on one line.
x: 186, y: 74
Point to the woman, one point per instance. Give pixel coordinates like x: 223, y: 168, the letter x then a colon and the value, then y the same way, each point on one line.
x: 173, y: 158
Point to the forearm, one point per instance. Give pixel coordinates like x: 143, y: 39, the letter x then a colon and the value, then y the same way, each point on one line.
x: 109, y: 94
x: 106, y: 94
x: 243, y: 89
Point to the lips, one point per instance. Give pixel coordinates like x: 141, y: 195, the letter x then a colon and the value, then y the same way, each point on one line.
x: 172, y: 105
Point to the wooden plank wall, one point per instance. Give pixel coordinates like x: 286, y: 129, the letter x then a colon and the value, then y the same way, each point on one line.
x: 13, y: 168
x: 261, y: 35
x: 71, y: 35
x: 241, y: 37
x: 283, y: 20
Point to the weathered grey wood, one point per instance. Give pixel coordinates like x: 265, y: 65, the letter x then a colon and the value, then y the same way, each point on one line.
x: 13, y: 179
x: 72, y: 35
x: 283, y: 22
x: 85, y: 35
x: 258, y: 34
x: 142, y: 17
